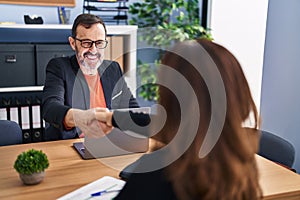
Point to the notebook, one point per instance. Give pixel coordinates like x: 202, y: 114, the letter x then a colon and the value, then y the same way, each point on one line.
x: 115, y: 143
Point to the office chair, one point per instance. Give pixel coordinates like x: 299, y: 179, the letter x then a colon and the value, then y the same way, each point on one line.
x: 10, y: 133
x: 276, y: 149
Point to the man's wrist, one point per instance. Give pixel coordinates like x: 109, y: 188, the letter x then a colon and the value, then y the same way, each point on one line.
x: 69, y: 120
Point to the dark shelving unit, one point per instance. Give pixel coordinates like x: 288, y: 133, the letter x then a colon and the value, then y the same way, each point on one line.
x: 112, y: 11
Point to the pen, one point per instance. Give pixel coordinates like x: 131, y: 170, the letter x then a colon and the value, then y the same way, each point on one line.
x: 104, y: 191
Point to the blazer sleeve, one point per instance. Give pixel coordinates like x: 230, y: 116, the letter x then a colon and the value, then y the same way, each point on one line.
x: 136, y: 122
x: 54, y: 108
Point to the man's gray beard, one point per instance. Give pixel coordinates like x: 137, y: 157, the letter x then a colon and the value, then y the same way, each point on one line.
x: 87, y: 68
x: 90, y: 70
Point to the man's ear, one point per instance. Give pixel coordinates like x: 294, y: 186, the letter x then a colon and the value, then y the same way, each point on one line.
x: 72, y: 42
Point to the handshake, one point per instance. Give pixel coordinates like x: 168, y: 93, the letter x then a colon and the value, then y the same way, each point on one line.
x: 94, y: 123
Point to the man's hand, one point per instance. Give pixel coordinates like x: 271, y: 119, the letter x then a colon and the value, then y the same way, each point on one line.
x: 86, y: 121
x: 104, y: 115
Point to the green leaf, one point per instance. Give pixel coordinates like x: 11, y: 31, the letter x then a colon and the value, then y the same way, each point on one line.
x: 166, y: 29
x: 31, y: 161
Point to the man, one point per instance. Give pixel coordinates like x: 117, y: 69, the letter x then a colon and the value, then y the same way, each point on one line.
x: 75, y: 86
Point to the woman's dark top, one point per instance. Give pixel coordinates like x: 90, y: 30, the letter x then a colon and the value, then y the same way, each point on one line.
x: 141, y: 186
x: 147, y: 186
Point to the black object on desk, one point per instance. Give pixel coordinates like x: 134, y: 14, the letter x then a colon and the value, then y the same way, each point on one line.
x: 34, y: 20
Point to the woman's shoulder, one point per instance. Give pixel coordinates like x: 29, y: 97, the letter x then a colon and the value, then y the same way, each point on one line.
x: 148, y: 185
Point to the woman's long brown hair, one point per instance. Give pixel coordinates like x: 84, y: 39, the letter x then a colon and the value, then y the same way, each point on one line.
x: 229, y: 170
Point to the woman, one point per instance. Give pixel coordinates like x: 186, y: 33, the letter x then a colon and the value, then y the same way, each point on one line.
x: 215, y: 164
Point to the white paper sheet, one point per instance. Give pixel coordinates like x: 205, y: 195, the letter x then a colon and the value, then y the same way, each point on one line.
x: 104, y: 183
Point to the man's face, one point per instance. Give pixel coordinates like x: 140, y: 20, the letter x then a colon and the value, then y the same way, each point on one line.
x: 89, y: 59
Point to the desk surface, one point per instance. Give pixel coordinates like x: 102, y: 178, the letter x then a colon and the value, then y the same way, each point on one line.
x: 67, y: 172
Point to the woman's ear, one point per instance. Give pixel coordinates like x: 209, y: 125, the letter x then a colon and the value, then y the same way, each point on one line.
x: 72, y: 42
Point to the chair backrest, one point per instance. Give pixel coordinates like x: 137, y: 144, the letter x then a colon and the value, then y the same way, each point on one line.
x: 276, y: 149
x: 10, y: 133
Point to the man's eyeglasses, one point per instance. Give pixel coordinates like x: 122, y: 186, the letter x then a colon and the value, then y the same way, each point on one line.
x: 100, y: 44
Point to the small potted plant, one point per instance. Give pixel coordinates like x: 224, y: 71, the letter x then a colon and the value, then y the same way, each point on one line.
x: 31, y: 166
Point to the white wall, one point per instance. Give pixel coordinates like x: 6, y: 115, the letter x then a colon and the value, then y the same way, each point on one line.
x: 15, y: 13
x: 264, y: 36
x: 240, y: 26
x: 280, y: 102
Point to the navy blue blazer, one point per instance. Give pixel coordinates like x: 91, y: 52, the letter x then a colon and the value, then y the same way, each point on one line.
x: 65, y: 87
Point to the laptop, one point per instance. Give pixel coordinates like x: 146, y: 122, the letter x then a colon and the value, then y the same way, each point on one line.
x: 115, y: 143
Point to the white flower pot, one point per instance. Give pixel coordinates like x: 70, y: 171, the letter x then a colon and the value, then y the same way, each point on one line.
x: 32, y: 179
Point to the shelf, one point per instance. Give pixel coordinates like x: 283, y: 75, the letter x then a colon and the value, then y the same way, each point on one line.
x: 114, y: 17
x: 109, y: 1
x: 110, y: 9
x: 22, y: 89
x: 117, y: 12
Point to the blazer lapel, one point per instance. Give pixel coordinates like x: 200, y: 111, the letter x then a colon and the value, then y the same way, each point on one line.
x: 81, y: 94
x: 106, y: 82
